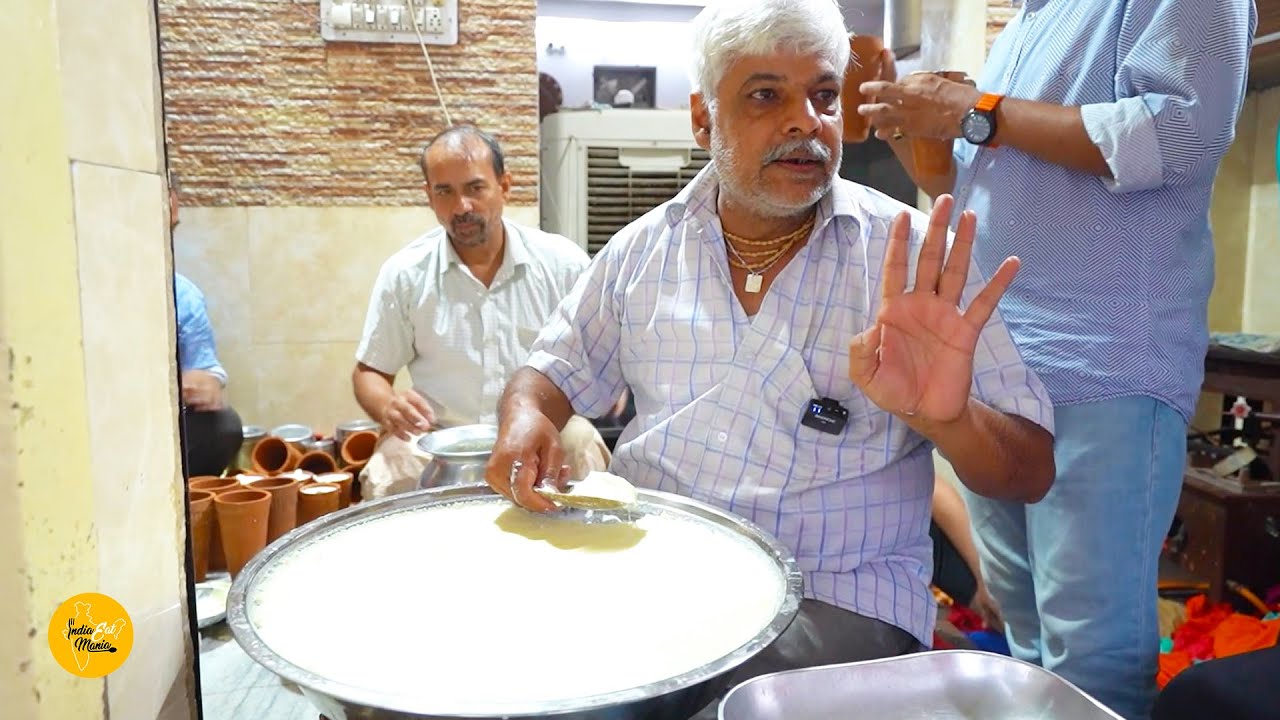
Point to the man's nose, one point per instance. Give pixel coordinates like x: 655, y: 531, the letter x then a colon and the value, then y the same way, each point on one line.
x: 802, y: 118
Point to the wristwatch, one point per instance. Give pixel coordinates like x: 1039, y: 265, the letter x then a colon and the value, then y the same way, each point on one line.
x: 978, y: 126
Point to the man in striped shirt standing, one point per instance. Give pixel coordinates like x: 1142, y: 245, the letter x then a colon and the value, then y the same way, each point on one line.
x: 1089, y: 148
x: 795, y: 345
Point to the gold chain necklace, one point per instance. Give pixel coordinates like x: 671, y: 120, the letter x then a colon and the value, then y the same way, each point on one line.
x: 783, y: 245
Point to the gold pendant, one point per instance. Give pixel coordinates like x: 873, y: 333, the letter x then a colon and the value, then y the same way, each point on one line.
x: 754, y: 282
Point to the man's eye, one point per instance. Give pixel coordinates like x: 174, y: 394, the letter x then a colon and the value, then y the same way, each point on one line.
x: 764, y: 94
x: 828, y: 96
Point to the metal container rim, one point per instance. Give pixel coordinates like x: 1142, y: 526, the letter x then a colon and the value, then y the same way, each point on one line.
x: 253, y: 645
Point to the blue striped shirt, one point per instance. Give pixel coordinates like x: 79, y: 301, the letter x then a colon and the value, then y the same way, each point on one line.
x: 719, y: 396
x: 1112, y: 299
x: 196, y: 348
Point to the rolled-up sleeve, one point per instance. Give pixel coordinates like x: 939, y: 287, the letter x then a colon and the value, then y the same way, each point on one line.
x: 578, y: 349
x: 1180, y: 82
x: 386, y: 344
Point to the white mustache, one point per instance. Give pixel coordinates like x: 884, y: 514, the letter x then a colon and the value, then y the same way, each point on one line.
x: 811, y: 148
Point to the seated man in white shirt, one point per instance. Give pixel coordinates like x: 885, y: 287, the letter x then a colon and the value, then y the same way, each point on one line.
x: 796, y: 345
x: 460, y: 307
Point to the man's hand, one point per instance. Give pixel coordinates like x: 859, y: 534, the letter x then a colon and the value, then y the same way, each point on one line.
x: 201, y: 391
x: 916, y: 361
x: 408, y: 414
x: 987, y: 607
x: 923, y: 105
x: 528, y: 436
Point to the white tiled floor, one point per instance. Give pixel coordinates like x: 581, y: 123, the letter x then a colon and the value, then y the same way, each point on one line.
x: 234, y: 687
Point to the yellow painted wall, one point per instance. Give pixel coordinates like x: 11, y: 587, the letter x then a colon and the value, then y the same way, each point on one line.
x: 47, y: 539
x: 90, y: 489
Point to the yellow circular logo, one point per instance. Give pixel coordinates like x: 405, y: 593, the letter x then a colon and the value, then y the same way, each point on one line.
x: 90, y: 635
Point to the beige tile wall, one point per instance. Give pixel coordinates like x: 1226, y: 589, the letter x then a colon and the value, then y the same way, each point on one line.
x: 129, y: 369
x: 1261, y: 305
x: 287, y: 290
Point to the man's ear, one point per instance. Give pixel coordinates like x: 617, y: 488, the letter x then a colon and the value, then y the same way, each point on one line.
x: 504, y: 182
x: 700, y: 114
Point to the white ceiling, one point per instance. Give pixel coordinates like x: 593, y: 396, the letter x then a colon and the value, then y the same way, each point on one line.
x: 860, y: 16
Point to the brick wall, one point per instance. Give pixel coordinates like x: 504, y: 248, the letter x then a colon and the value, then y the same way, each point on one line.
x: 259, y: 110
x: 999, y: 13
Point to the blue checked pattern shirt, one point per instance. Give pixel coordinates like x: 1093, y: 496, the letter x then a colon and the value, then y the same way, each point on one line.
x: 196, y: 349
x: 1112, y: 298
x: 719, y: 396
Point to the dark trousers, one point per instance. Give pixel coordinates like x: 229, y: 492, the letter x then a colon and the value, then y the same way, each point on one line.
x: 1240, y: 687
x: 950, y: 572
x: 210, y: 440
x: 822, y: 634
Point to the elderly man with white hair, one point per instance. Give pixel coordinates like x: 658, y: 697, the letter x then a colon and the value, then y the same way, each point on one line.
x: 796, y: 345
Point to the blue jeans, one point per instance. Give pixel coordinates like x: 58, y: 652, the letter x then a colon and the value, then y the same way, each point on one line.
x: 1075, y: 574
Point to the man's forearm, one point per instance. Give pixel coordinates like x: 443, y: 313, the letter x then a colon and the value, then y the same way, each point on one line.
x: 995, y: 454
x: 1053, y: 133
x: 530, y: 390
x: 373, y: 391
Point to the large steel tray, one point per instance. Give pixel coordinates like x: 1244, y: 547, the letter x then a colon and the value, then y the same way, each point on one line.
x: 940, y: 685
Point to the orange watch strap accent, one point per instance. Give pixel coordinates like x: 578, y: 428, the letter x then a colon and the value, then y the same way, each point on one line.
x: 988, y: 102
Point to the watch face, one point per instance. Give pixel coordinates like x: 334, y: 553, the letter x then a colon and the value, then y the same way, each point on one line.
x: 976, y: 128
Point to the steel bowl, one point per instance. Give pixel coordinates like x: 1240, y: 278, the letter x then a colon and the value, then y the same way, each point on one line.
x: 294, y: 434
x: 942, y: 684
x: 675, y: 698
x: 351, y: 427
x: 251, y: 434
x: 457, y: 455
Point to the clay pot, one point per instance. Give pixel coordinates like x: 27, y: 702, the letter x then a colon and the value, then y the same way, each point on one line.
x: 864, y: 66
x: 242, y: 521
x: 356, y: 495
x: 217, y: 486
x: 316, y: 500
x: 200, y: 503
x: 317, y: 462
x: 273, y: 456
x: 932, y: 156
x: 284, y: 504
x: 358, y: 447
x: 343, y: 480
x: 212, y: 483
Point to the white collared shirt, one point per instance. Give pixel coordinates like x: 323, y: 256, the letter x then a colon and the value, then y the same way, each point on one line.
x: 460, y: 340
x: 720, y: 396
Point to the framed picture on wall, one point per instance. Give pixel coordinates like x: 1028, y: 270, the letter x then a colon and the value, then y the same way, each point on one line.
x: 625, y: 85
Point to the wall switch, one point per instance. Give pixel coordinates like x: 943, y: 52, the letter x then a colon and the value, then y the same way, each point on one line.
x: 390, y: 21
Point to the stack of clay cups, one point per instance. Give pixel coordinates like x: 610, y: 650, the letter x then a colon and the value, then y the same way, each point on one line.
x: 317, y: 462
x: 200, y: 503
x: 355, y: 452
x: 273, y: 456
x: 317, y: 499
x: 243, y: 516
x: 210, y: 546
x: 283, y: 514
